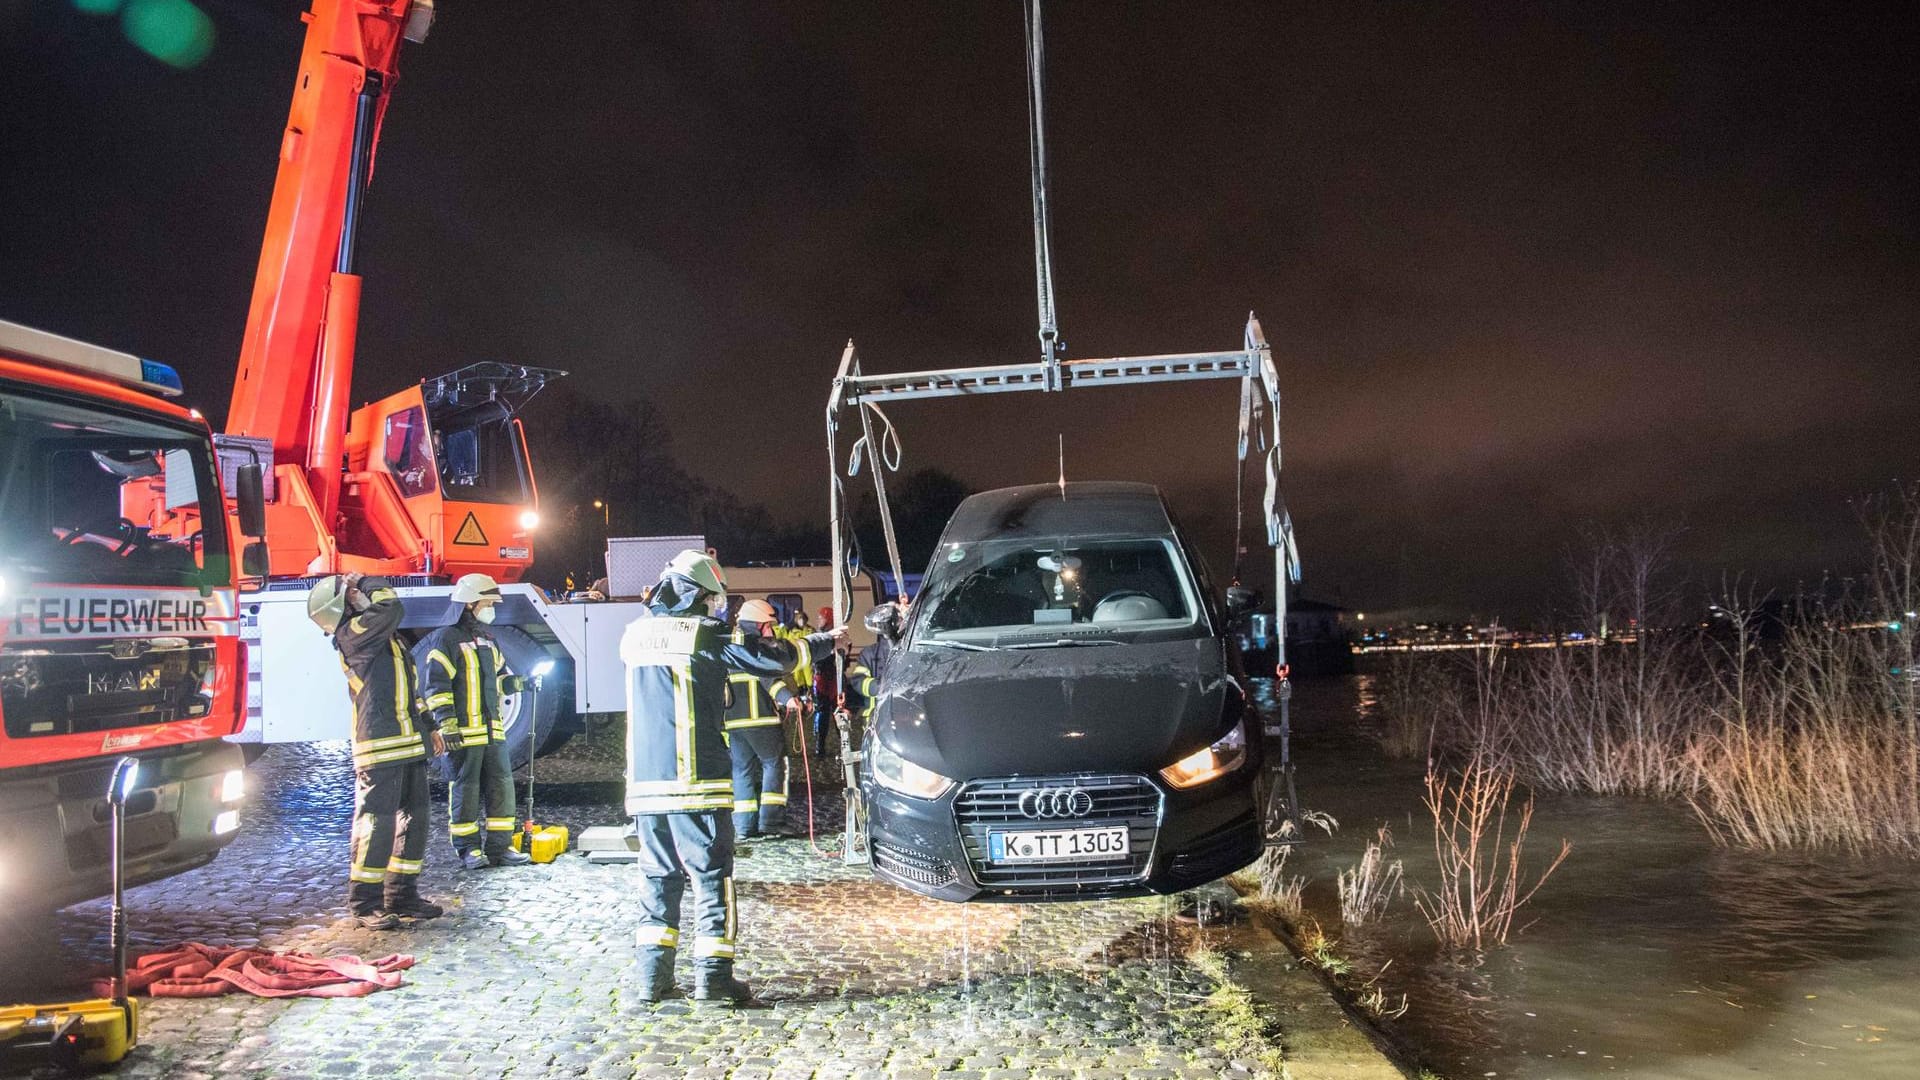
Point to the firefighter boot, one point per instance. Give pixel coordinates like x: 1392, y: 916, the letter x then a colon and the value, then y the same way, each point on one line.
x: 406, y: 902
x: 656, y: 974
x: 474, y: 860
x: 363, y: 900
x: 714, y: 983
x: 510, y: 857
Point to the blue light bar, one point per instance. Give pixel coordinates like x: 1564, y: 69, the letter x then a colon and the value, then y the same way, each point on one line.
x: 158, y: 375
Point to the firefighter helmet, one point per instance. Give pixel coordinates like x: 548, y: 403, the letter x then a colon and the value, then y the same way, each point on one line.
x: 327, y: 603
x: 757, y: 613
x: 473, y: 588
x: 701, y: 568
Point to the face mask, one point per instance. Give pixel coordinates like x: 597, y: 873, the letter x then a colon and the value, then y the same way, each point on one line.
x: 717, y: 604
x: 484, y: 614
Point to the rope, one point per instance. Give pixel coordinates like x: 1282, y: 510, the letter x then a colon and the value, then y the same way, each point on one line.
x: 883, y: 463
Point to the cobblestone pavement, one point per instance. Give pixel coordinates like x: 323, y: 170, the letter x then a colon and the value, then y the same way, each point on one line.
x: 530, y: 973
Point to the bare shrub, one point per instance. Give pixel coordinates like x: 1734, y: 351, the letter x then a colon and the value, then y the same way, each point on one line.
x: 1415, y: 699
x: 1371, y: 884
x: 1814, y: 751
x: 1275, y: 889
x: 1782, y: 725
x: 1479, y: 860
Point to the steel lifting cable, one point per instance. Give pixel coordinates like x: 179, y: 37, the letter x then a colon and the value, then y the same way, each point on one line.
x: 1037, y: 159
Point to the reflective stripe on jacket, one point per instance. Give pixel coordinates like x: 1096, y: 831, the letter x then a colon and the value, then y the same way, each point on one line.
x: 754, y: 700
x: 464, y: 675
x: 380, y: 675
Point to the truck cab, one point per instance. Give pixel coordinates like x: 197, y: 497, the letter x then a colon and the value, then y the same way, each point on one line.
x: 118, y: 627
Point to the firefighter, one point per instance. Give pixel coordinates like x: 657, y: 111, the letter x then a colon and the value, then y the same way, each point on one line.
x: 464, y: 675
x: 679, y: 772
x: 390, y: 811
x: 754, y: 732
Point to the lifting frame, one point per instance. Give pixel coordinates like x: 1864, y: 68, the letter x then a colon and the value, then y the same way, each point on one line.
x: 1259, y: 430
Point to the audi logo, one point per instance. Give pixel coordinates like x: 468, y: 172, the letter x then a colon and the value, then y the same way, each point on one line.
x: 1055, y: 802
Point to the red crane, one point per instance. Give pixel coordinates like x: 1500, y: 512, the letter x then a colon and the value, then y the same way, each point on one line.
x: 432, y: 480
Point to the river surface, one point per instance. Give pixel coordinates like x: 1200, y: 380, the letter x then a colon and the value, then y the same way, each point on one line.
x: 1652, y: 952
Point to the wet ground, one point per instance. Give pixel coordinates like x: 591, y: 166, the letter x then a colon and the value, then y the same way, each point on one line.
x: 1651, y: 953
x: 530, y: 974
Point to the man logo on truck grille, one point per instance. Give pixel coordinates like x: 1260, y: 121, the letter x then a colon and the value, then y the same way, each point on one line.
x: 1055, y: 803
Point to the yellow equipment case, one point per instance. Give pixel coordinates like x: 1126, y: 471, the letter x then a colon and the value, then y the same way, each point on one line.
x: 549, y: 842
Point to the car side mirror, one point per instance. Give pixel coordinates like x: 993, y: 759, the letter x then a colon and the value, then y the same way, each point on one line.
x: 884, y: 621
x: 253, y: 559
x: 1240, y: 600
x: 250, y: 499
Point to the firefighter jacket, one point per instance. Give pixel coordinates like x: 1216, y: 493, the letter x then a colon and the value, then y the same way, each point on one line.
x: 678, y: 661
x: 863, y: 680
x: 464, y: 675
x: 756, y: 701
x: 380, y: 675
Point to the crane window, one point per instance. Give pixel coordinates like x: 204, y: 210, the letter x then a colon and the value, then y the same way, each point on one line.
x: 480, y: 459
x: 410, y: 452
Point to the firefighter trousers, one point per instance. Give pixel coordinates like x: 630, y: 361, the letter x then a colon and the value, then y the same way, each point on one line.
x: 759, y: 778
x: 390, y: 822
x: 675, y: 849
x: 480, y: 806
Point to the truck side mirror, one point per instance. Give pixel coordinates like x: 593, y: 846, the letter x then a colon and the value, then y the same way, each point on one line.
x: 253, y: 559
x: 250, y: 499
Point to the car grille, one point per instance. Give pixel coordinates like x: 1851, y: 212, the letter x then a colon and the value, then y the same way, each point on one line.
x: 985, y: 806
x: 914, y: 866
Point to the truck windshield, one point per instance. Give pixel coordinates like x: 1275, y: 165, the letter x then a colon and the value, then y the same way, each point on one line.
x: 93, y: 496
x: 1067, y: 591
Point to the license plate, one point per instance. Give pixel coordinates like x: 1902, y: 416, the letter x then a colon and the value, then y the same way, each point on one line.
x: 1058, y: 845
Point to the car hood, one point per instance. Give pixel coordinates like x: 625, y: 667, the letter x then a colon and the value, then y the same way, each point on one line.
x: 1110, y: 708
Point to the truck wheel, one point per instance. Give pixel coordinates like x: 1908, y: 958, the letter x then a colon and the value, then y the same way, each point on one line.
x: 532, y: 714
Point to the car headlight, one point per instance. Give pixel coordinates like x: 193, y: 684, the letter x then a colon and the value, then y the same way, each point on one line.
x: 896, y: 773
x: 1224, y: 756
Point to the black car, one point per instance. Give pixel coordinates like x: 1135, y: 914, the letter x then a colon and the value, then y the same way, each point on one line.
x: 1061, y: 717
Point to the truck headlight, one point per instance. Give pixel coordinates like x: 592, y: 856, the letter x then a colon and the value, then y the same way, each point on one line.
x: 896, y: 773
x: 1197, y: 768
x: 233, y: 786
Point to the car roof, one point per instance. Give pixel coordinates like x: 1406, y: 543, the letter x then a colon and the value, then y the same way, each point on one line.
x: 1082, y: 508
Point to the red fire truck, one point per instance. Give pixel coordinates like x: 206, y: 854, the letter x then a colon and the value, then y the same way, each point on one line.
x: 119, y: 632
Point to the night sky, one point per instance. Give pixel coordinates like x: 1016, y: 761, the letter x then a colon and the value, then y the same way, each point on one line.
x: 1525, y: 266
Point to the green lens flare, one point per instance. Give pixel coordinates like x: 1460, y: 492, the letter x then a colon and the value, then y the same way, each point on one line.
x: 174, y: 32
x: 97, y: 7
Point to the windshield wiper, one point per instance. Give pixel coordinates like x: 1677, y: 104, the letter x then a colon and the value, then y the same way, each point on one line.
x: 1062, y: 643
x: 966, y: 646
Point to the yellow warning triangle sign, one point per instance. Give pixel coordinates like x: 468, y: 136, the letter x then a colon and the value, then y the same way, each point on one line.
x: 470, y: 532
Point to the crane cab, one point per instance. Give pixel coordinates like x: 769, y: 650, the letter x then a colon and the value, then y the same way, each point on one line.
x: 438, y: 475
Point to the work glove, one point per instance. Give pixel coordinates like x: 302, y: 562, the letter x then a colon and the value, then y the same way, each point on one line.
x: 450, y: 740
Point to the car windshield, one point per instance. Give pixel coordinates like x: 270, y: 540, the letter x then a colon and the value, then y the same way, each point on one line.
x: 93, y: 496
x: 1067, y: 591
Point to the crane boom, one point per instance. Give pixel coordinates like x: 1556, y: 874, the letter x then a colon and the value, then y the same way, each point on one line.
x: 296, y: 358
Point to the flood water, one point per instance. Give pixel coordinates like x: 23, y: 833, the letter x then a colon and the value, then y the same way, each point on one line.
x: 1652, y: 952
